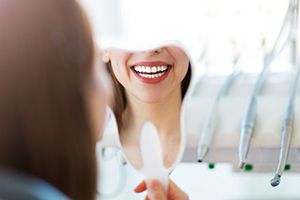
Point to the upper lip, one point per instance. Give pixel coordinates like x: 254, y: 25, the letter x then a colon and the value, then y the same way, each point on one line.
x: 151, y: 63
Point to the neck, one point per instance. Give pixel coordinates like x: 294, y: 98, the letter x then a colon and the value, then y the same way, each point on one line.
x: 165, y: 115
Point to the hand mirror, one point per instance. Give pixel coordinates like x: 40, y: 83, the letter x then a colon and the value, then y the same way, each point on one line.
x: 146, y: 118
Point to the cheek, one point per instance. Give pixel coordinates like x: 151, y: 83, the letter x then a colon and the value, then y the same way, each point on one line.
x: 119, y: 66
x: 119, y: 63
x: 183, y: 69
x: 182, y: 62
x: 121, y: 73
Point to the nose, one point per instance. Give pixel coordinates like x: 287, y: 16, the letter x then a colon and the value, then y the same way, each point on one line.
x: 154, y: 51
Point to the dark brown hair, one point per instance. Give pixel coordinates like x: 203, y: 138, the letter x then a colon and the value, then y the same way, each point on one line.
x: 46, y: 55
x: 120, y: 101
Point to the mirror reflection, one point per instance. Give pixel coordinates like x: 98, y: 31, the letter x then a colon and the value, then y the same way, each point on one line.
x: 149, y: 86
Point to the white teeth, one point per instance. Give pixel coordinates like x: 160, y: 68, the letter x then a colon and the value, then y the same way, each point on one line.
x: 163, y: 68
x: 152, y: 75
x: 151, y: 72
x: 148, y: 69
x: 153, y: 69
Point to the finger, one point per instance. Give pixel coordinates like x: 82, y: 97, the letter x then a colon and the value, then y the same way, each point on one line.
x: 141, y: 187
x: 156, y: 191
x: 174, y: 192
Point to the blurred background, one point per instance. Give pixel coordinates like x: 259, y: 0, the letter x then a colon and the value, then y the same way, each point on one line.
x: 223, y: 28
x: 215, y: 32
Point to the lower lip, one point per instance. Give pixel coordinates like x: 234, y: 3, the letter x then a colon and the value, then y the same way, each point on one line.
x: 152, y: 80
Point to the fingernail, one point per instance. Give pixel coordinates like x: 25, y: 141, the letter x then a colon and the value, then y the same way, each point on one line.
x: 152, y: 187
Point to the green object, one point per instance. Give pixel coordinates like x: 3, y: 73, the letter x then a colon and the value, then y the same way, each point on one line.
x: 287, y: 167
x: 248, y: 167
x: 211, y: 165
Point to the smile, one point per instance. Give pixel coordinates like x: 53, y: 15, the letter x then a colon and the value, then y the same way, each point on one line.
x: 151, y: 74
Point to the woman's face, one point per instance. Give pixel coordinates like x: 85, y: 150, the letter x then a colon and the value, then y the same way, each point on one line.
x: 150, y: 76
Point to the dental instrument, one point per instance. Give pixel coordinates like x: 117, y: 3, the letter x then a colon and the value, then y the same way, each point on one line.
x: 288, y: 123
x: 207, y: 134
x: 248, y: 123
x: 286, y: 133
x: 249, y: 119
x: 200, y: 77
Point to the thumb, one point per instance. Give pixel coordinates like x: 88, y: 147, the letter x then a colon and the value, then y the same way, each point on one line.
x: 175, y: 192
x: 156, y: 191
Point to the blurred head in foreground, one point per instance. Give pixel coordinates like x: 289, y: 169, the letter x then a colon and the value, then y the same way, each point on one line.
x: 51, y: 97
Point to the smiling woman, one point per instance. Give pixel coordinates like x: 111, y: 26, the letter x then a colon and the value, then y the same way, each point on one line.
x: 150, y: 86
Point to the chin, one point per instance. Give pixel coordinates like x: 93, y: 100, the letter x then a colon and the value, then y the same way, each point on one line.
x: 151, y: 99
